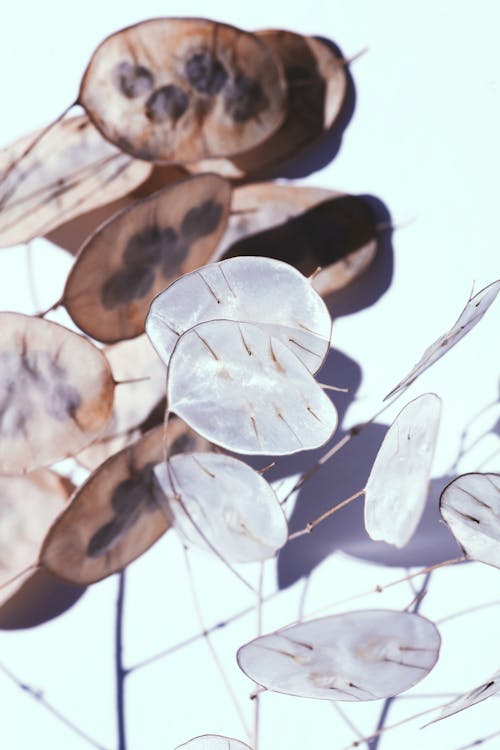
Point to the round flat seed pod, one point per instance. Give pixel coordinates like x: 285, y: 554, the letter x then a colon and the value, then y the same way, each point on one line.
x: 396, y: 490
x: 28, y: 506
x: 262, y: 291
x: 213, y: 742
x: 478, y: 694
x: 174, y: 89
x: 70, y: 171
x: 246, y: 391
x: 470, y: 316
x: 470, y: 505
x: 356, y: 656
x: 233, y: 505
x: 316, y: 85
x: 56, y: 393
x: 132, y: 257
x: 309, y: 228
x: 113, y: 517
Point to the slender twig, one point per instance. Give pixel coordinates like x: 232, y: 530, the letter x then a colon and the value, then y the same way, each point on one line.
x: 467, y: 611
x: 382, y: 730
x: 120, y: 671
x: 256, y: 701
x: 215, y: 655
x: 312, y: 524
x: 38, y: 696
x: 480, y: 741
x: 346, y: 719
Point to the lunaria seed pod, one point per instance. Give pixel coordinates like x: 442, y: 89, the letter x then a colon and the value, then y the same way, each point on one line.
x: 182, y: 89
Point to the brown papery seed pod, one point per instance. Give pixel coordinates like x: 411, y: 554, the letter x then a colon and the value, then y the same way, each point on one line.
x: 72, y: 169
x: 309, y: 228
x: 56, y: 392
x: 316, y: 81
x: 135, y: 255
x: 182, y: 89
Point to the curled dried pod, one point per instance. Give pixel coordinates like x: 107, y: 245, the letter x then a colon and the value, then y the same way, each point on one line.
x: 181, y: 89
x: 56, y: 392
x: 69, y: 171
x: 316, y: 83
x: 136, y: 254
x: 309, y: 228
x: 28, y: 506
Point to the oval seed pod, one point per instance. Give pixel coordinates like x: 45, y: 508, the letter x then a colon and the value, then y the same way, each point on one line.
x: 261, y: 291
x: 468, y: 318
x: 56, y: 392
x: 309, y: 228
x: 28, y: 506
x: 181, y: 89
x: 132, y: 360
x: 117, y: 514
x: 234, y: 506
x: 213, y: 742
x: 70, y: 171
x: 396, y: 490
x: 470, y: 506
x: 316, y: 82
x: 246, y: 391
x: 356, y: 656
x: 132, y: 257
x: 478, y: 694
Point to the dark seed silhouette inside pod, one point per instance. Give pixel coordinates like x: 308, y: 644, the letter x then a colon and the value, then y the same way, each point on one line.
x: 125, y: 286
x: 24, y: 374
x: 133, y: 80
x: 201, y: 220
x: 168, y: 102
x: 148, y: 247
x: 244, y: 98
x: 205, y: 73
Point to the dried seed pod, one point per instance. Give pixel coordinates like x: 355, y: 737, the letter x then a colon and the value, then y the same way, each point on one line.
x: 28, y: 506
x: 309, y: 228
x: 469, y: 317
x: 175, y: 89
x: 113, y: 518
x: 56, y: 392
x: 396, y: 490
x: 132, y: 257
x: 70, y: 171
x: 130, y: 360
x: 246, y: 391
x: 470, y: 505
x: 213, y: 742
x: 316, y: 82
x: 478, y: 694
x: 262, y: 291
x: 233, y: 506
x: 356, y: 656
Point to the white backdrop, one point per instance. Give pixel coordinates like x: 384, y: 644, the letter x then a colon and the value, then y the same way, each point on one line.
x: 423, y: 139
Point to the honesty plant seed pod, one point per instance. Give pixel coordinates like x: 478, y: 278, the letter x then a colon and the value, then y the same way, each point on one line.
x: 246, y: 391
x: 213, y: 742
x: 132, y: 257
x: 261, y: 291
x: 56, y: 392
x: 478, y: 694
x: 232, y: 506
x: 316, y: 80
x: 396, y: 490
x: 469, y: 317
x: 470, y: 505
x: 181, y: 89
x: 70, y: 171
x: 356, y: 656
x: 309, y: 228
